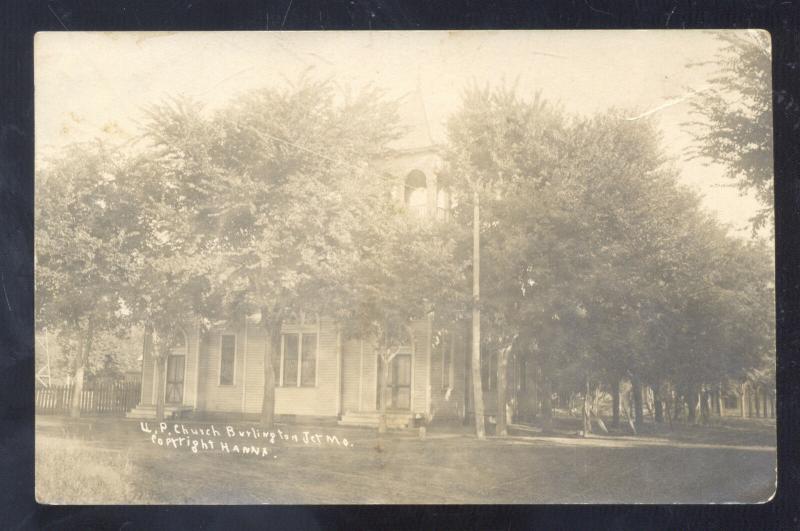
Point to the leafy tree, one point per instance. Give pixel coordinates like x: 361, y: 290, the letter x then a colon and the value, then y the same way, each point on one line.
x: 78, y: 255
x: 735, y: 116
x: 112, y: 354
x: 595, y: 260
x: 494, y: 140
x: 297, y: 168
x: 168, y: 209
x: 405, y: 273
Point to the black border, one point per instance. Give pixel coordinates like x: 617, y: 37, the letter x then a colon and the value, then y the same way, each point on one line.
x: 20, y: 19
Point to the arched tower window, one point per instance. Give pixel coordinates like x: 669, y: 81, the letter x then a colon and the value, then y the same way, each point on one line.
x: 179, y: 341
x: 416, y: 197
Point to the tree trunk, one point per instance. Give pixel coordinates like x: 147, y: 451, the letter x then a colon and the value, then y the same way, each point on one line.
x: 502, y: 371
x: 547, y: 405
x: 704, y: 405
x: 771, y: 405
x: 587, y: 419
x: 147, y: 345
x: 638, y: 413
x: 711, y: 401
x: 678, y: 406
x: 84, y: 350
x: 759, y: 402
x: 384, y: 391
x: 669, y: 406
x: 756, y: 403
x: 477, y: 387
x: 615, y: 403
x: 77, y: 390
x: 743, y: 400
x: 647, y: 401
x: 658, y: 406
x: 271, y: 348
x: 692, y: 403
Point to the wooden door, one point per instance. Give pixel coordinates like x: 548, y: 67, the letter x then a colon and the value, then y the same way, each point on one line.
x: 400, y: 382
x: 175, y: 375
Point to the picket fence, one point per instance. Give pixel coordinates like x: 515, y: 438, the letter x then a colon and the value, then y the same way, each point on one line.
x: 105, y: 399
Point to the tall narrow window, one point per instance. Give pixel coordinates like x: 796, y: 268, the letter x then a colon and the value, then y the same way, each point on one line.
x: 299, y: 360
x: 298, y: 355
x: 290, y: 356
x: 227, y: 359
x: 417, y: 194
x: 308, y: 371
x: 276, y: 363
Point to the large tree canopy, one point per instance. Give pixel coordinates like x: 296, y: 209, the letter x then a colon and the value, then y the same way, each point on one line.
x: 597, y: 264
x: 285, y: 195
x: 80, y: 263
x: 734, y: 125
x: 596, y: 257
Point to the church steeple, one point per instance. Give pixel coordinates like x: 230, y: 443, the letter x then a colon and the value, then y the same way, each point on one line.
x: 414, y: 123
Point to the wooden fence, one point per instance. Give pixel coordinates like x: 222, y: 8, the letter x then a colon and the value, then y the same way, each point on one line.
x: 105, y: 399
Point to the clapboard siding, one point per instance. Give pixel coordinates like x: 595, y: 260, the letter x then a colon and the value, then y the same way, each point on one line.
x: 202, y: 376
x: 442, y: 404
x: 420, y: 331
x: 351, y: 366
x: 360, y: 358
x: 368, y: 366
x: 322, y: 399
x: 247, y: 392
x: 369, y: 397
x: 222, y: 397
x: 356, y: 391
x: 190, y: 364
x: 437, y: 392
x: 150, y: 374
x: 460, y: 372
x: 257, y: 348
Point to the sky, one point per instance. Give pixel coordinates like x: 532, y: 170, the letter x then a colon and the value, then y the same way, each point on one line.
x: 94, y: 85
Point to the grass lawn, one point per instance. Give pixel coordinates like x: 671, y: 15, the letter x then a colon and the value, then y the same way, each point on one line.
x: 113, y: 461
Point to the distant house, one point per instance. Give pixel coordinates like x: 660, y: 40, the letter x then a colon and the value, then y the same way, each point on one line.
x: 318, y: 373
x: 746, y: 400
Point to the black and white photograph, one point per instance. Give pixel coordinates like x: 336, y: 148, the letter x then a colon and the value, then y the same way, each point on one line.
x: 404, y: 267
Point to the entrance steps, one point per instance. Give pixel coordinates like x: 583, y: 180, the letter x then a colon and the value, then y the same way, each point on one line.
x: 148, y: 412
x: 394, y: 419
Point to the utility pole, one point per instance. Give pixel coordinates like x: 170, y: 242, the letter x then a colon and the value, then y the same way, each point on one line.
x: 477, y: 386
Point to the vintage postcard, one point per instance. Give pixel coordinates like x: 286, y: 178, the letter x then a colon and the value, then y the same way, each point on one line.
x: 404, y: 267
